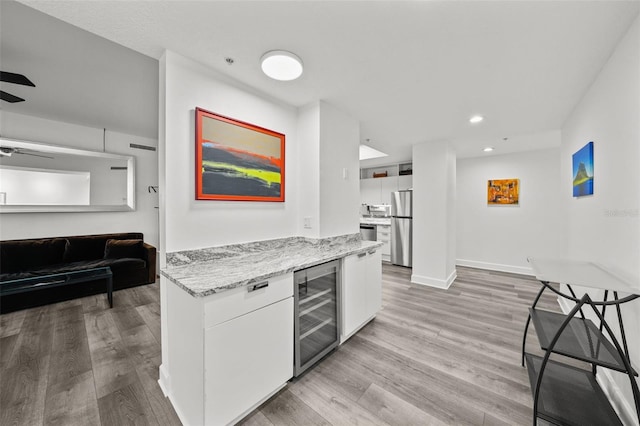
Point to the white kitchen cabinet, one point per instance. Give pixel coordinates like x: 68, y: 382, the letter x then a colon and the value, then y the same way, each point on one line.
x: 384, y: 236
x: 405, y: 182
x: 247, y: 358
x: 374, y: 283
x: 230, y: 351
x: 370, y: 191
x: 378, y: 190
x: 361, y: 290
x: 387, y: 186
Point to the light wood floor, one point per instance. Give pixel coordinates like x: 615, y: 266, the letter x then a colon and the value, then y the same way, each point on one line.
x: 431, y: 357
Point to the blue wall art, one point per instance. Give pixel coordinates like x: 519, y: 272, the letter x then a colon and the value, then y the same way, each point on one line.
x: 583, y: 171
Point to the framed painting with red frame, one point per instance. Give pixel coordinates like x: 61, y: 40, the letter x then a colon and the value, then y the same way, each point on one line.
x: 237, y: 161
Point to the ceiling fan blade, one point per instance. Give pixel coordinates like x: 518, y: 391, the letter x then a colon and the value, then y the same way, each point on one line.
x: 36, y: 155
x: 8, y: 97
x: 14, y: 78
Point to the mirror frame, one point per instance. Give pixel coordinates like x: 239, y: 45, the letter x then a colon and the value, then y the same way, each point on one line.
x: 49, y: 208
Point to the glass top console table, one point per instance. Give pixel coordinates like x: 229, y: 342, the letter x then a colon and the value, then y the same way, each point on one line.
x: 61, y: 279
x: 563, y: 394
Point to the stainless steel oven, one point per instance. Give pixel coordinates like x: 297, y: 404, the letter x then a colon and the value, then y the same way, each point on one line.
x: 368, y: 232
x: 315, y: 313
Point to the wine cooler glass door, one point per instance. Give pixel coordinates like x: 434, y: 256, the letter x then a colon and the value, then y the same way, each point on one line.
x: 316, y: 313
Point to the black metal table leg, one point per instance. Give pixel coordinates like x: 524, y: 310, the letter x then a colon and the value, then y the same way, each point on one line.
x: 526, y: 326
x: 110, y: 290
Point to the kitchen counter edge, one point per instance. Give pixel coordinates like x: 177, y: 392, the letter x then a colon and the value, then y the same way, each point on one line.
x: 250, y: 261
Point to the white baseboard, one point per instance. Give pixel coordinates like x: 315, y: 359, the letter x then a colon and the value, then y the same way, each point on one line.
x: 565, y: 305
x: 625, y: 409
x: 495, y: 267
x: 344, y: 337
x: 615, y: 396
x: 257, y: 404
x: 434, y: 282
x: 165, y: 384
x: 163, y: 381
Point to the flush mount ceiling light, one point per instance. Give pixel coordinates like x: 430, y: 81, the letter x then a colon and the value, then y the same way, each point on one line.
x: 366, y: 152
x: 281, y: 65
x: 476, y: 119
x: 488, y: 149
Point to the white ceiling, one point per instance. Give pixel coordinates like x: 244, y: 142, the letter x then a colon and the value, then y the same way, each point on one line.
x: 410, y: 72
x: 80, y: 78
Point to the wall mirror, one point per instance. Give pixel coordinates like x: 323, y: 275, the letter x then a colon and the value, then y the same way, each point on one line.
x: 37, y: 177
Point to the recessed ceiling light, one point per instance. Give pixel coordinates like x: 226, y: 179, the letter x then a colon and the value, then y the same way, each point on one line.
x: 366, y: 152
x: 488, y: 149
x: 281, y: 65
x: 476, y: 119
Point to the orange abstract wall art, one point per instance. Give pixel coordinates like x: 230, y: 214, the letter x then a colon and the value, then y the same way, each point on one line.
x: 237, y: 161
x: 503, y: 191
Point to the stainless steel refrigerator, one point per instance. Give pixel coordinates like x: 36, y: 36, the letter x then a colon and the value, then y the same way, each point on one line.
x: 401, y: 227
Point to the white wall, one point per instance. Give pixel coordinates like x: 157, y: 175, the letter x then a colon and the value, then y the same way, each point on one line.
x: 107, y: 186
x: 24, y: 186
x: 339, y: 172
x: 605, y: 227
x: 310, y: 176
x: 35, y: 225
x: 501, y: 237
x: 191, y: 224
x: 329, y: 171
x: 309, y: 166
x: 434, y: 204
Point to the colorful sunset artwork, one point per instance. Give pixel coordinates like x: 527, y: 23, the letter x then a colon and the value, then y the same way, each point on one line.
x: 237, y: 161
x: 503, y: 191
x: 583, y: 171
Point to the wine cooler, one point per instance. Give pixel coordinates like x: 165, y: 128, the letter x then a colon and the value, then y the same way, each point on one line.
x: 316, y: 313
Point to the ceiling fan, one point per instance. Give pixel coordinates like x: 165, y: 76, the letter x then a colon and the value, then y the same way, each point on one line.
x: 8, y: 151
x: 13, y: 78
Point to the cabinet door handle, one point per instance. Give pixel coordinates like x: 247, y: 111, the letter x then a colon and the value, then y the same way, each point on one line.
x: 362, y: 254
x: 258, y: 286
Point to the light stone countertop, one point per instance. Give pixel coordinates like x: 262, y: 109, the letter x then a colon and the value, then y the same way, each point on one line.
x: 211, y: 270
x: 375, y: 220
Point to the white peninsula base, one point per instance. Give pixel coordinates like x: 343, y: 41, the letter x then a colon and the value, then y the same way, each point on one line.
x: 228, y: 319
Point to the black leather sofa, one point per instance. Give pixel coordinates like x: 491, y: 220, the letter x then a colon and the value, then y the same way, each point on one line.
x: 132, y: 263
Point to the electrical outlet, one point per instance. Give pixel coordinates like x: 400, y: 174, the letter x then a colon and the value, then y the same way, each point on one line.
x: 307, y: 223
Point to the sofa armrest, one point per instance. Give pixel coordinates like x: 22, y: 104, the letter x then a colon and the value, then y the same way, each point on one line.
x: 149, y: 253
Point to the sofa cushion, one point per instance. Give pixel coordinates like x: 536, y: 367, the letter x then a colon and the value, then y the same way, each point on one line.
x: 116, y: 265
x: 84, y: 248
x: 24, y: 255
x: 119, y: 249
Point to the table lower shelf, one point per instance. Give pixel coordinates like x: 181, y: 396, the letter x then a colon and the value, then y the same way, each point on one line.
x: 581, y: 339
x: 569, y: 395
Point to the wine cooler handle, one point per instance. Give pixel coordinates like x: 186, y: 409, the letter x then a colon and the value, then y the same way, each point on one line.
x: 258, y: 286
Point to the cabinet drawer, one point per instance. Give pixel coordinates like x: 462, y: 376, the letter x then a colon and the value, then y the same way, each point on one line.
x: 384, y: 233
x: 246, y: 360
x: 384, y: 229
x: 239, y: 301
